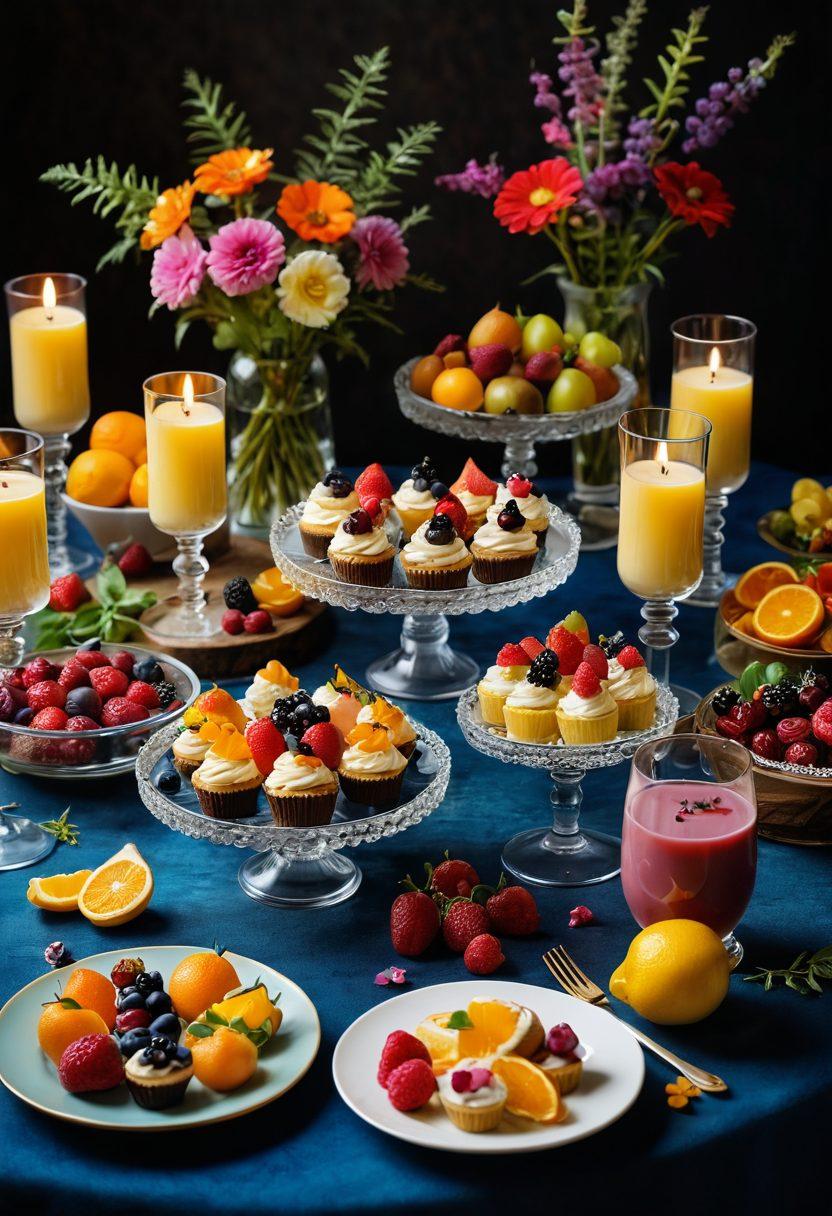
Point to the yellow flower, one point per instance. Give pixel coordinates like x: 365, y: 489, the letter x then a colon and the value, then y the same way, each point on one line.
x: 172, y: 209
x: 313, y: 289
x: 681, y: 1092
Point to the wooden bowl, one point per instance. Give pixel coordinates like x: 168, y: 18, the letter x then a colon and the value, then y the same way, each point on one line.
x: 735, y: 649
x: 765, y: 533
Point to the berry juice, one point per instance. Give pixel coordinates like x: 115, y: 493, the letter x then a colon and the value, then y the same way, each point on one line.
x: 689, y: 849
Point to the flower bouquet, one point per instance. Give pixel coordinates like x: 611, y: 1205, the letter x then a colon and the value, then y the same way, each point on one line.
x: 277, y: 281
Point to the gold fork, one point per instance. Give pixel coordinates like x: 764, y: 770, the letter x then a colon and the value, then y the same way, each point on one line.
x: 570, y: 977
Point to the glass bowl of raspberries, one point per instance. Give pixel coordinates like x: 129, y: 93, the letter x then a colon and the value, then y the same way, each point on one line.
x: 85, y: 712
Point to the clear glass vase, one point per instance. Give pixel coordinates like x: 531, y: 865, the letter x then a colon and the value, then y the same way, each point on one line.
x: 281, y: 436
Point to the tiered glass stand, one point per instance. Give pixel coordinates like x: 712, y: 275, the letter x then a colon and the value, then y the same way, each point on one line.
x: 520, y: 432
x: 298, y: 867
x: 563, y: 855
x: 424, y: 667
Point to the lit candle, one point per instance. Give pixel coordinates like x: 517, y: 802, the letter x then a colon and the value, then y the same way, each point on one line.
x: 24, y: 564
x: 723, y: 395
x: 660, y: 527
x: 49, y: 366
x: 186, y: 464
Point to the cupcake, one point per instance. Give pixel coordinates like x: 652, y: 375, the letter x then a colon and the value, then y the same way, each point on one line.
x: 301, y: 791
x: 158, y: 1075
x: 472, y: 1096
x: 587, y: 714
x: 190, y: 749
x: 475, y: 491
x: 371, y: 769
x: 530, y: 709
x: 360, y: 551
x: 228, y: 781
x: 511, y: 666
x: 533, y: 506
x: 505, y: 548
x: 436, y: 557
x: 342, y: 703
x: 271, y: 683
x: 329, y: 502
x: 633, y: 689
x: 562, y: 1058
x: 381, y: 712
x: 417, y: 497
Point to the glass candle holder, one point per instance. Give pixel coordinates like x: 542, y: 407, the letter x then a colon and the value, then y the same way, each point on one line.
x: 50, y: 384
x: 713, y: 374
x: 187, y: 491
x: 662, y: 510
x: 689, y: 842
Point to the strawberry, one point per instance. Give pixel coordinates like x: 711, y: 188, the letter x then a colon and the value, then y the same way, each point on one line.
x: 118, y: 711
x: 483, y: 955
x: 453, y: 877
x: 543, y: 368
x: 629, y: 657
x: 92, y: 1062
x: 81, y: 722
x: 519, y: 486
x: 414, y: 923
x: 233, y: 621
x: 411, y: 1085
x: 822, y: 722
x: 585, y: 681
x: 91, y: 659
x: 399, y: 1046
x: 46, y: 692
x: 597, y: 660
x: 124, y: 661
x: 474, y: 480
x: 258, y: 621
x: 568, y: 648
x: 450, y: 343
x: 265, y: 743
x: 532, y: 646
x: 373, y: 483
x: 51, y: 717
x: 135, y: 561
x: 67, y: 592
x: 464, y: 920
x: 324, y: 741
x: 456, y: 513
x: 490, y: 361
x: 143, y: 694
x: 512, y: 655
x: 39, y: 669
x: 513, y: 911
x: 109, y: 682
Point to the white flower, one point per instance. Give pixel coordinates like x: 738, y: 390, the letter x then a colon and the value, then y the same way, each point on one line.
x: 313, y: 289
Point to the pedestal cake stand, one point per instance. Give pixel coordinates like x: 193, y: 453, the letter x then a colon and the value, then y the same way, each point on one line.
x: 424, y: 667
x: 563, y: 855
x: 297, y: 867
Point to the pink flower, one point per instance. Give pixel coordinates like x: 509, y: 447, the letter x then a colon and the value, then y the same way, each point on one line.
x: 382, y: 254
x: 556, y: 133
x: 485, y: 180
x: 245, y: 255
x: 391, y: 975
x: 178, y: 269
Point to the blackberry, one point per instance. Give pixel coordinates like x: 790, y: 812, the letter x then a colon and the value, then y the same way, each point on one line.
x: 614, y: 645
x: 306, y: 715
x: 725, y: 699
x: 543, y: 672
x: 238, y: 594
x: 424, y: 474
x: 165, y: 692
x: 779, y: 700
x: 281, y: 715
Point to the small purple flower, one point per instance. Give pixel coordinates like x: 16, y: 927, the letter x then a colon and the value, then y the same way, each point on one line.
x: 613, y: 181
x: 545, y: 97
x: 382, y: 253
x: 713, y: 116
x: 486, y: 180
x: 58, y: 955
x: 178, y: 269
x: 556, y: 133
x: 245, y: 255
x: 391, y: 975
x: 583, y: 84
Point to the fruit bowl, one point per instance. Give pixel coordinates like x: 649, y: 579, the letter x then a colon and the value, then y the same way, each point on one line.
x: 765, y: 533
x: 735, y: 649
x: 69, y: 755
x: 115, y: 525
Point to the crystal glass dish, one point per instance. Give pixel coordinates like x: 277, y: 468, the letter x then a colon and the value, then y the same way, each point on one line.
x: 67, y: 755
x: 297, y: 867
x: 563, y: 855
x: 704, y: 720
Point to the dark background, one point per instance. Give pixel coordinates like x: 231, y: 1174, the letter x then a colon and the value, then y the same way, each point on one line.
x: 84, y: 78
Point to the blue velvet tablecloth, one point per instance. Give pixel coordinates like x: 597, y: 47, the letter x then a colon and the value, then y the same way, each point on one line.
x: 757, y: 1146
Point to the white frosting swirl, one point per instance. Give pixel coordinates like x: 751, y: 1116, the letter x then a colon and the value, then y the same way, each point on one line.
x: 216, y: 772
x: 628, y: 683
x: 363, y: 544
x: 474, y: 504
x: 531, y: 696
x: 587, y: 707
x: 141, y: 1072
x: 189, y: 746
x: 487, y: 1095
x: 492, y: 536
x: 261, y: 695
x: 287, y: 774
x: 421, y: 552
x: 501, y: 680
x: 325, y: 695
x: 390, y: 760
x: 413, y: 500
x: 533, y: 508
x: 325, y: 510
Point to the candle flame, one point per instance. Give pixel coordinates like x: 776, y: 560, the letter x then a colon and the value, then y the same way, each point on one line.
x: 714, y: 363
x: 662, y: 457
x: 187, y: 393
x: 50, y: 297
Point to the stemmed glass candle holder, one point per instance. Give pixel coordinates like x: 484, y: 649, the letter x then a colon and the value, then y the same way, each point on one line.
x: 689, y: 845
x: 50, y: 384
x: 187, y: 492
x: 663, y: 459
x: 713, y: 374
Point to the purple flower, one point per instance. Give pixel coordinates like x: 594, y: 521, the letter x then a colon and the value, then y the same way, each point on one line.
x: 641, y: 138
x: 609, y: 183
x: 485, y: 180
x: 178, y: 269
x: 382, y: 254
x: 391, y: 975
x: 545, y: 97
x: 713, y: 116
x: 245, y: 255
x: 583, y: 84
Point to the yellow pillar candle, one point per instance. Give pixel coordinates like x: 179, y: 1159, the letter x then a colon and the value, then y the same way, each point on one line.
x: 723, y: 395
x: 186, y: 465
x: 24, y: 562
x: 49, y: 366
x: 660, y: 527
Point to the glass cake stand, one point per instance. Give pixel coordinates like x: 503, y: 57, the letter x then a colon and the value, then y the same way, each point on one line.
x: 297, y: 867
x: 424, y: 667
x: 563, y: 855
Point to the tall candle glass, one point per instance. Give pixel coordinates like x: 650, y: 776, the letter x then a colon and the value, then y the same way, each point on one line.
x: 713, y: 374
x: 187, y: 492
x: 661, y: 521
x: 50, y: 384
x: 689, y: 842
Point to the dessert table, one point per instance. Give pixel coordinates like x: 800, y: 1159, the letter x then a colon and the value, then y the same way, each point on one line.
x: 308, y: 1153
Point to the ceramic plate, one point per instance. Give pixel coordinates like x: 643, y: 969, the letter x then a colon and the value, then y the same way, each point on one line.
x: 26, y: 1071
x: 611, y: 1081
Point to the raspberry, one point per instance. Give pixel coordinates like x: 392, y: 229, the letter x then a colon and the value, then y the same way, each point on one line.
x: 373, y: 483
x: 463, y: 922
x: 135, y: 562
x: 411, y: 1085
x: 585, y: 682
x: 629, y: 657
x: 512, y: 655
x: 449, y: 343
x: 143, y: 694
x: 454, y: 877
x: 513, y: 911
x: 67, y: 592
x: 801, y: 753
x: 51, y: 717
x: 766, y: 744
x: 822, y: 722
x: 474, y: 481
x: 73, y: 675
x: 257, y: 622
x: 597, y: 660
x: 399, y: 1046
x: 532, y: 646
x: 91, y: 1063
x: 233, y: 621
x: 562, y: 1040
x: 39, y: 669
x: 118, y: 711
x: 450, y: 505
x: 265, y: 743
x: 519, y: 486
x: 568, y: 647
x: 46, y: 692
x: 124, y: 661
x: 109, y: 682
x: 324, y: 741
x: 483, y: 955
x: 91, y: 659
x: 81, y: 722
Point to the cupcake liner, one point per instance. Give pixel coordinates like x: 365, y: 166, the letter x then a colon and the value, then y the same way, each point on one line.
x: 637, y: 713
x: 531, y: 725
x: 371, y: 791
x: 302, y: 810
x: 407, y: 749
x: 186, y: 767
x: 565, y: 1079
x: 363, y: 572
x: 314, y: 543
x: 492, y: 705
x: 227, y: 804
x: 446, y: 578
x: 502, y: 569
x: 477, y: 1119
x: 413, y: 518
x: 159, y: 1096
x: 588, y: 730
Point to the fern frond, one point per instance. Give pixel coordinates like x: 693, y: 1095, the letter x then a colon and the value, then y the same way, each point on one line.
x: 414, y: 217
x: 621, y: 43
x: 335, y: 154
x: 110, y: 190
x: 669, y: 95
x: 213, y: 124
x: 376, y: 187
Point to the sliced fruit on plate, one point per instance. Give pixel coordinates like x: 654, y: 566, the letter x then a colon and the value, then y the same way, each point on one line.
x: 275, y: 595
x: 117, y: 891
x: 789, y: 615
x: 759, y: 580
x: 57, y: 892
x: 531, y: 1094
x: 487, y: 1026
x: 251, y: 1011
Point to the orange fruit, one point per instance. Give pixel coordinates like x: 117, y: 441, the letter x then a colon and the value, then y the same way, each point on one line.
x: 59, y: 1026
x: 120, y: 431
x: 458, y: 389
x: 789, y: 615
x: 455, y: 358
x: 58, y: 892
x: 759, y: 580
x: 92, y: 990
x: 138, y: 487
x: 225, y: 1060
x: 118, y: 891
x: 496, y: 1025
x: 531, y: 1094
x: 424, y: 373
x: 199, y: 981
x: 141, y: 456
x: 273, y: 593
x: 825, y: 640
x: 745, y: 624
x: 496, y: 326
x: 101, y: 478
x: 219, y: 706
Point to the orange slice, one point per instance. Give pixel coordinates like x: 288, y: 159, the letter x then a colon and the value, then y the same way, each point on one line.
x: 789, y: 615
x: 531, y: 1094
x: 825, y: 640
x: 759, y: 580
x: 58, y: 892
x: 497, y: 1026
x: 745, y: 624
x: 119, y: 890
x: 275, y: 595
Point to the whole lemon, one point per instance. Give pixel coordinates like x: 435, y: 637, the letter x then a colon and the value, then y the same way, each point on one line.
x: 675, y: 972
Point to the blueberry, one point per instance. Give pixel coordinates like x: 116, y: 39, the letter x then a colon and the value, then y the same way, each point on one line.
x: 183, y: 1054
x: 158, y: 1003
x: 134, y: 1001
x: 134, y: 1040
x: 149, y: 981
x: 84, y: 701
x: 149, y: 671
x: 167, y: 1025
x: 169, y: 781
x: 24, y: 716
x: 439, y: 489
x: 92, y: 644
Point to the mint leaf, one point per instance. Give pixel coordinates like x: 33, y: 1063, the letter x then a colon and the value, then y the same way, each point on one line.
x: 111, y: 584
x: 200, y: 1031
x: 459, y: 1020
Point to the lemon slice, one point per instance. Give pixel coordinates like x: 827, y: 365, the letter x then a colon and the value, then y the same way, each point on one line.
x: 117, y: 891
x: 58, y: 892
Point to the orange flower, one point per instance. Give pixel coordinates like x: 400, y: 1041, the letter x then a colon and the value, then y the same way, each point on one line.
x: 317, y: 211
x: 234, y: 172
x: 681, y: 1093
x: 173, y: 208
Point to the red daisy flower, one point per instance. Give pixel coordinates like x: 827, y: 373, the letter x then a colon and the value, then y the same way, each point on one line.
x: 695, y: 195
x: 533, y: 198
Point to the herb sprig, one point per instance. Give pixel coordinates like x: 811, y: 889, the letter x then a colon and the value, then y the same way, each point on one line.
x: 63, y: 831
x: 806, y: 975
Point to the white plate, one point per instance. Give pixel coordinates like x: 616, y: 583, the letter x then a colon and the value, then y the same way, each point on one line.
x: 611, y: 1080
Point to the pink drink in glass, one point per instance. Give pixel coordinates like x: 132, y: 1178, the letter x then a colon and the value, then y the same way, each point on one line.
x: 683, y: 860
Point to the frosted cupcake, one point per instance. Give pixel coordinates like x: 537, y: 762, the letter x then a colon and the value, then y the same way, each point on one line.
x: 271, y: 683
x: 436, y: 557
x: 330, y: 501
x: 228, y: 781
x: 633, y: 689
x: 475, y: 491
x: 415, y: 498
x: 533, y: 506
x: 301, y: 791
x: 190, y: 749
x: 371, y: 769
x: 360, y: 551
x: 472, y: 1096
x: 530, y: 710
x: 500, y: 680
x: 381, y: 713
x: 562, y: 1058
x: 342, y: 702
x: 505, y: 548
x: 587, y: 714
x: 158, y: 1075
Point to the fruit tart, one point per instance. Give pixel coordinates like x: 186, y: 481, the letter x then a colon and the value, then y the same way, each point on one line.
x: 436, y: 557
x: 502, y: 677
x: 562, y: 1058
x: 472, y: 1096
x: 328, y: 503
x: 532, y: 504
x: 418, y: 495
x: 301, y: 791
x: 371, y: 769
x: 631, y: 686
x: 475, y: 491
x: 530, y: 710
x: 395, y: 722
x: 228, y: 780
x: 158, y: 1075
x: 271, y: 683
x: 360, y: 551
x: 587, y: 713
x: 505, y: 548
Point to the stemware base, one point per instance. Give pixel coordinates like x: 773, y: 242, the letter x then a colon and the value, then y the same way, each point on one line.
x: 424, y: 667
x: 289, y: 882
x: 687, y: 698
x: 544, y: 857
x: 710, y: 591
x: 171, y: 619
x: 22, y: 842
x: 598, y: 522
x: 735, y: 950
